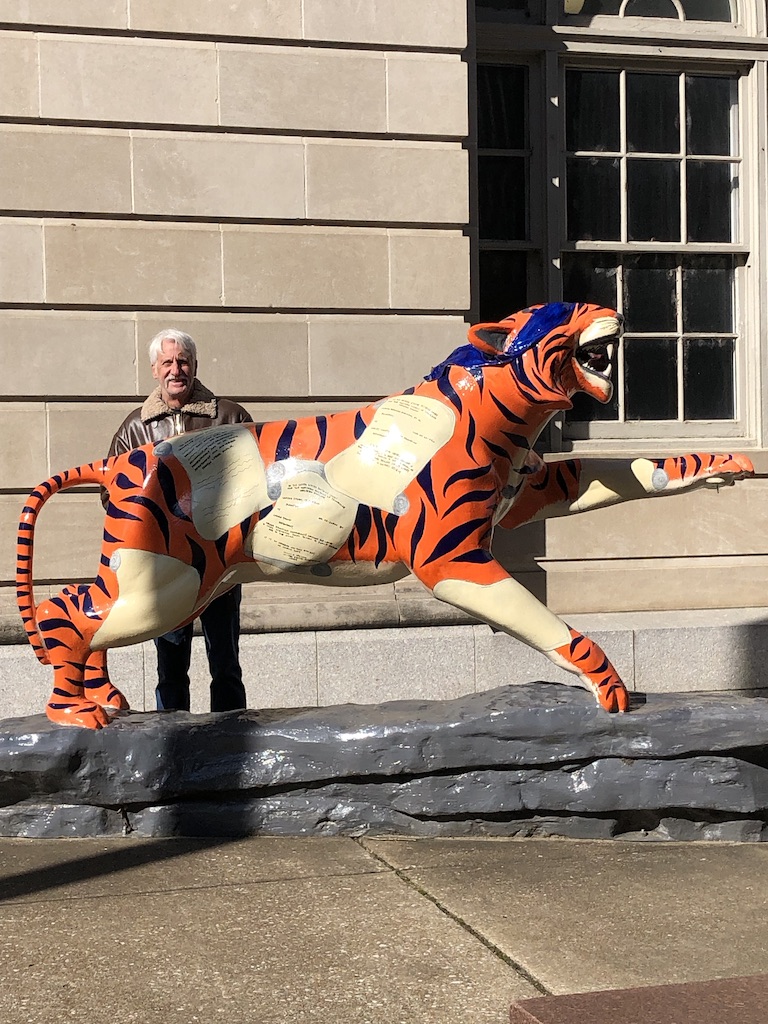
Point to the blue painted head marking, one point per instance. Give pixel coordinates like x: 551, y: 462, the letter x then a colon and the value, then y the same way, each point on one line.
x: 540, y: 323
x: 543, y: 320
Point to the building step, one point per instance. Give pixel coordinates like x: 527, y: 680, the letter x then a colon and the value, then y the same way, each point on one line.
x: 654, y: 652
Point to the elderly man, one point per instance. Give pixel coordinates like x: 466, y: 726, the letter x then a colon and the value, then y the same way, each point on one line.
x: 178, y: 405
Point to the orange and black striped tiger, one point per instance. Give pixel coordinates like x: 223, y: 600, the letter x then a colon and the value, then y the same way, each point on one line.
x: 415, y: 482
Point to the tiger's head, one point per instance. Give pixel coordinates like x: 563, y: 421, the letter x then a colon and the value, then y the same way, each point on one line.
x: 555, y: 349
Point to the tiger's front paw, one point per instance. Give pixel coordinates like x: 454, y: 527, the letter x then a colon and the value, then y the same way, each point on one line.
x: 591, y: 664
x: 76, y: 711
x: 706, y: 469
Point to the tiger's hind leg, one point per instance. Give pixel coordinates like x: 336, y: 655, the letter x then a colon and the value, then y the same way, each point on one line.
x: 66, y: 632
x: 98, y: 686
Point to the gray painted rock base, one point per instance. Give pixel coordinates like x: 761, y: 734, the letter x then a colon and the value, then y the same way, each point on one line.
x: 533, y: 760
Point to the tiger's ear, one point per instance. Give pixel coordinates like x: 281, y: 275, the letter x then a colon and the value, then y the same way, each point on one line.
x: 491, y: 338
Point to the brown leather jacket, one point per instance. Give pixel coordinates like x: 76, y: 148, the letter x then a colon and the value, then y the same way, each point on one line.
x: 155, y: 421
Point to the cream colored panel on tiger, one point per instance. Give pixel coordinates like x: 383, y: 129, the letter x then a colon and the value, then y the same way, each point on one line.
x: 507, y: 605
x: 308, y: 524
x: 155, y: 594
x: 226, y: 473
x: 606, y: 482
x: 404, y: 434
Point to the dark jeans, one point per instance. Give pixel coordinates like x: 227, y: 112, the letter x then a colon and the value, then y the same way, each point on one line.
x: 221, y: 629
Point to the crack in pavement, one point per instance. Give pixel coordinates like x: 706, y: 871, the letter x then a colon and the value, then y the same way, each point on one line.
x: 465, y: 925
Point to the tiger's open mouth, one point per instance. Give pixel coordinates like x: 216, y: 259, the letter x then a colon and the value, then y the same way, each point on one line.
x: 597, y: 346
x: 597, y: 357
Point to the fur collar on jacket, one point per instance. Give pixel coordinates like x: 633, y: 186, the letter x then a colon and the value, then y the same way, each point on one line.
x: 202, y: 402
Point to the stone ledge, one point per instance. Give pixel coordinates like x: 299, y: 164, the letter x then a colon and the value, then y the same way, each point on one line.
x: 534, y: 759
x: 299, y: 607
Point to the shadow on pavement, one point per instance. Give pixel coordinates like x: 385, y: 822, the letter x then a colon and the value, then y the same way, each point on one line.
x: 122, y: 855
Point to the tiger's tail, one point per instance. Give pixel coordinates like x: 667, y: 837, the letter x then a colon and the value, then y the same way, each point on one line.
x: 92, y: 473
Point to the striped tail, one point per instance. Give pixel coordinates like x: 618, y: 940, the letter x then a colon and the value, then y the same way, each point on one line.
x: 93, y: 473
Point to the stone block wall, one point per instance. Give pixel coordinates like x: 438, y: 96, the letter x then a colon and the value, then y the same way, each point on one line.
x: 289, y: 182
x: 286, y: 181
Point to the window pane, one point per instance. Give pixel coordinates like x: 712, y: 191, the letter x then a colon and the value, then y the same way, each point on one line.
x: 502, y: 5
x: 508, y: 10
x: 708, y: 295
x: 503, y: 284
x: 501, y: 107
x: 502, y: 197
x: 588, y: 410
x: 593, y: 199
x: 709, y: 115
x: 649, y: 294
x: 708, y: 379
x: 589, y: 277
x: 707, y: 10
x: 653, y: 200
x: 593, y: 7
x: 695, y: 10
x: 651, y: 9
x: 592, y: 111
x: 653, y: 114
x: 650, y: 377
x: 709, y: 201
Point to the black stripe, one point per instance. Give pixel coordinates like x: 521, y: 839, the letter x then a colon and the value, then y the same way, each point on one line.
x: 138, y: 459
x: 363, y: 523
x: 46, y: 624
x: 446, y: 388
x: 198, y: 561
x: 508, y: 414
x: 470, y: 496
x: 418, y: 532
x: 322, y: 428
x: 424, y: 480
x: 168, y: 487
x: 454, y: 537
x: 221, y: 547
x: 283, y: 449
x: 465, y: 474
x: 381, y: 533
x: 119, y: 513
x: 154, y: 509
x: 125, y: 483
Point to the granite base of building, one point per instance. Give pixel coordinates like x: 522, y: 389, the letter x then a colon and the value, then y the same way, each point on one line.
x: 528, y: 760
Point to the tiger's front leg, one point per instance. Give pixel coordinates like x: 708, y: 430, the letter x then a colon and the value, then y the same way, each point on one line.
x: 546, y: 490
x: 507, y: 605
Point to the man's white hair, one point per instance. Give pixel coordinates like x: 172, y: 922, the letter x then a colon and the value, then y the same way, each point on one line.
x: 186, y: 344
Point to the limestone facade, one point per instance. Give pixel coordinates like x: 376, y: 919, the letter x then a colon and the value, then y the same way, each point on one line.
x: 289, y: 182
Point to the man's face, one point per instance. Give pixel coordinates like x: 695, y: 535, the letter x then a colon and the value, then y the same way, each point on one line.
x: 175, y: 370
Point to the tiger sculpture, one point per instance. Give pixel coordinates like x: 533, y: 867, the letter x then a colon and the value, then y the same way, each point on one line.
x: 413, y: 483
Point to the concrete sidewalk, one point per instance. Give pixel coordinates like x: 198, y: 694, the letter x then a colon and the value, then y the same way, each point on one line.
x: 278, y: 931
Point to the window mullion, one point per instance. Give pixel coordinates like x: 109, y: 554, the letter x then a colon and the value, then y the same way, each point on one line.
x: 619, y: 362
x: 554, y: 92
x: 623, y: 153
x: 680, y: 346
x: 683, y: 173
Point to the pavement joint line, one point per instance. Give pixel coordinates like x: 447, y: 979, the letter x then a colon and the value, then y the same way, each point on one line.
x: 11, y: 901
x: 465, y: 925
